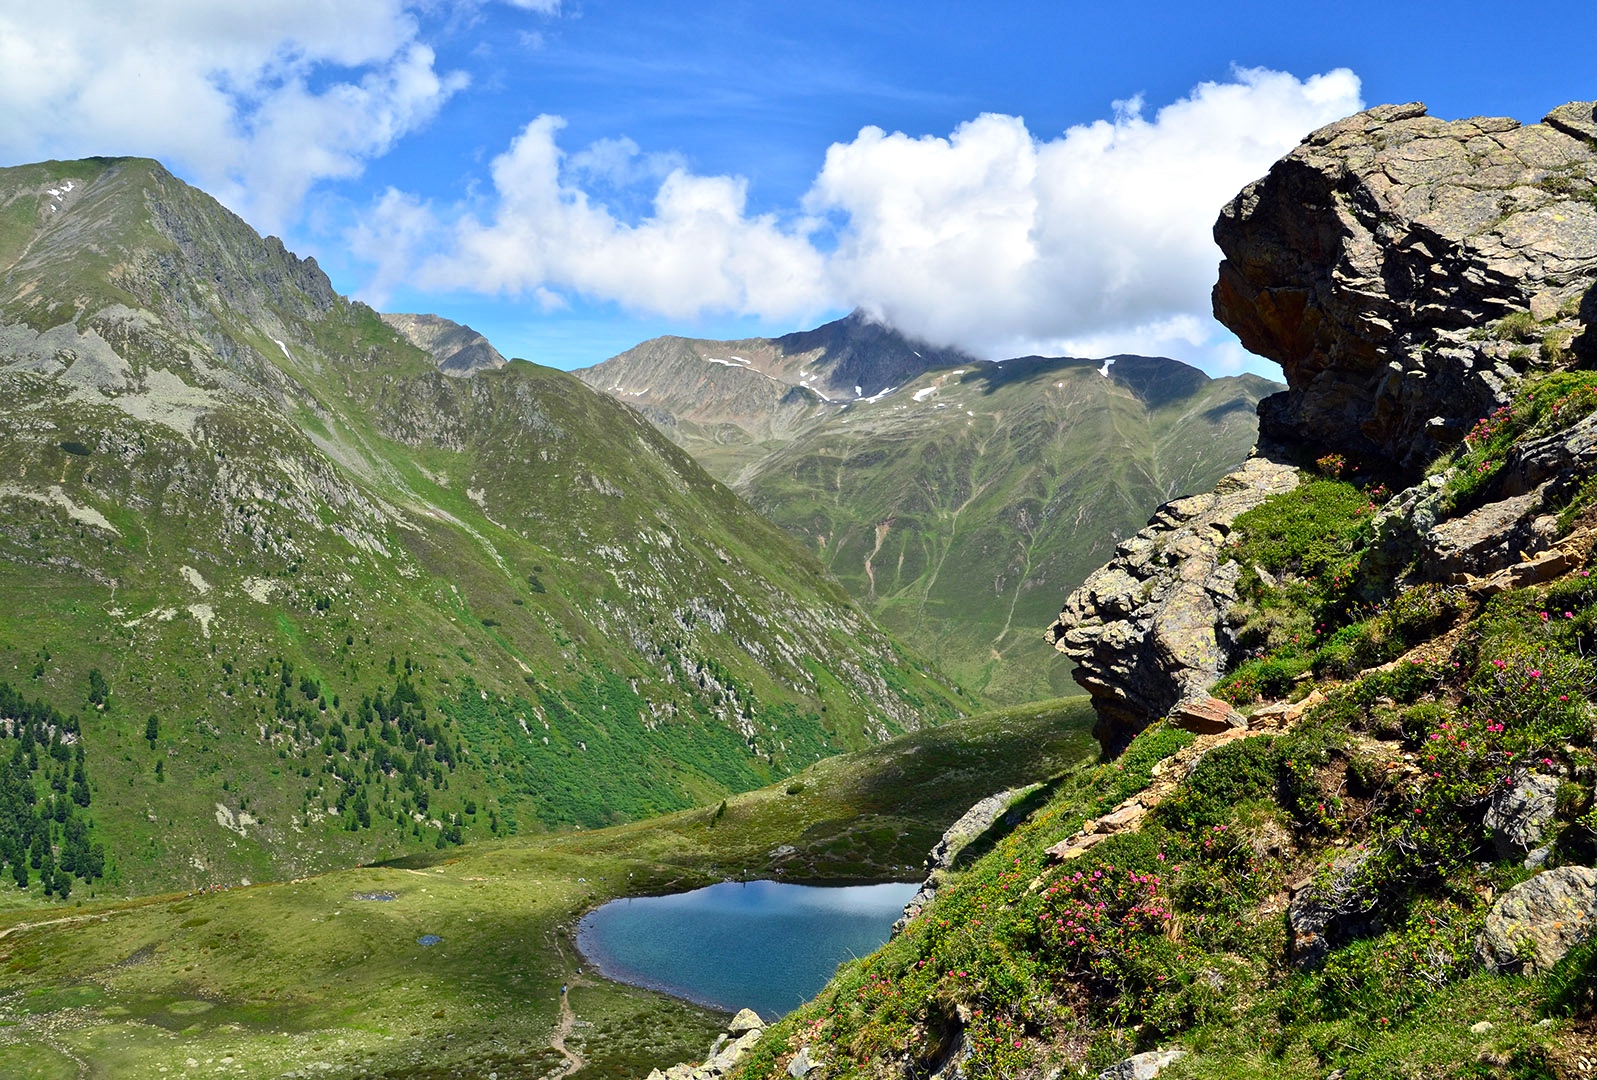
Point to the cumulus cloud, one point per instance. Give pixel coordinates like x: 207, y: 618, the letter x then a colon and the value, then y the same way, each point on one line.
x: 256, y: 99
x: 698, y: 249
x: 1092, y: 242
x: 997, y: 240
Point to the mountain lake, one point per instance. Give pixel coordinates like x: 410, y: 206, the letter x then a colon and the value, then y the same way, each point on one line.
x: 762, y: 945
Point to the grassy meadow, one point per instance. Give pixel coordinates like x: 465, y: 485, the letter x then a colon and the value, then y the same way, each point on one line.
x: 326, y: 976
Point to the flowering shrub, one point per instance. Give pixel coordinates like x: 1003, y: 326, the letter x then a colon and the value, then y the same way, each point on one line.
x: 1106, y: 920
x: 1388, y: 976
x: 998, y: 1045
x: 1546, y: 405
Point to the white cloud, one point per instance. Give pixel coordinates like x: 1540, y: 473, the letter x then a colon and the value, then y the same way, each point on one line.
x: 991, y: 237
x: 256, y: 100
x: 1093, y: 242
x: 698, y: 250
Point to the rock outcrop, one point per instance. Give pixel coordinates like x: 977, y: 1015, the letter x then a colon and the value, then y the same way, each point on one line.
x: 1327, y: 905
x: 729, y: 1048
x: 1520, y: 813
x: 1407, y: 273
x: 1148, y: 631
x: 1535, y: 923
x: 1403, y: 270
x: 457, y: 349
x: 1144, y: 1066
x: 972, y: 825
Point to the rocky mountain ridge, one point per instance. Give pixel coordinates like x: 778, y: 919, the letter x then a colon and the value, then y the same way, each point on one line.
x: 358, y: 604
x: 958, y: 499
x: 457, y: 349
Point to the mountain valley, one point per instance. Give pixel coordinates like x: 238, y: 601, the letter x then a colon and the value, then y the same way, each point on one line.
x: 295, y: 597
x: 347, y: 665
x: 955, y: 499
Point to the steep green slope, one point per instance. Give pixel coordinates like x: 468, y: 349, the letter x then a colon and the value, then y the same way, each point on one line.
x: 1327, y: 890
x: 954, y: 499
x: 371, y: 608
x: 959, y: 507
x: 324, y: 976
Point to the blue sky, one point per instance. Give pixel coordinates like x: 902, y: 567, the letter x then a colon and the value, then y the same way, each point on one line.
x: 573, y: 176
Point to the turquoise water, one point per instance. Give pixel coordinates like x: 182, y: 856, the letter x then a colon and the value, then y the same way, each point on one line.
x: 761, y: 945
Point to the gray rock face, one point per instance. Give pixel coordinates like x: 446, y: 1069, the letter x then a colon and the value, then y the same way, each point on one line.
x: 970, y: 826
x: 1142, y: 1066
x: 728, y: 1050
x: 1147, y: 631
x: 1535, y: 923
x: 1364, y: 259
x: 802, y: 1064
x: 1488, y: 538
x: 1327, y: 903
x: 458, y: 350
x: 745, y: 1021
x: 1520, y: 812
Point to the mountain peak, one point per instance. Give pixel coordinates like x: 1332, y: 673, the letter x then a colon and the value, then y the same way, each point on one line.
x: 458, y: 349
x: 860, y: 350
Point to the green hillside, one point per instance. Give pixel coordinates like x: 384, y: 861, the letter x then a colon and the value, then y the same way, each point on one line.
x: 370, y: 608
x: 961, y: 507
x: 956, y: 500
x: 325, y: 976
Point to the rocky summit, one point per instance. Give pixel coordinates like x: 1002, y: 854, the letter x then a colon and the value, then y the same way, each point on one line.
x: 1406, y: 272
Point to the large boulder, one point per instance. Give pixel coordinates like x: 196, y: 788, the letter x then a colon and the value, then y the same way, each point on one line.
x: 1143, y: 1066
x: 1520, y: 812
x: 1535, y: 923
x: 1377, y: 261
x: 1148, y: 630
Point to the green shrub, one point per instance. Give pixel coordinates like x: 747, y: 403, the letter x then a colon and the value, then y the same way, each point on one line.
x: 1548, y: 404
x: 1311, y: 531
x: 1273, y: 677
x: 1227, y: 776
